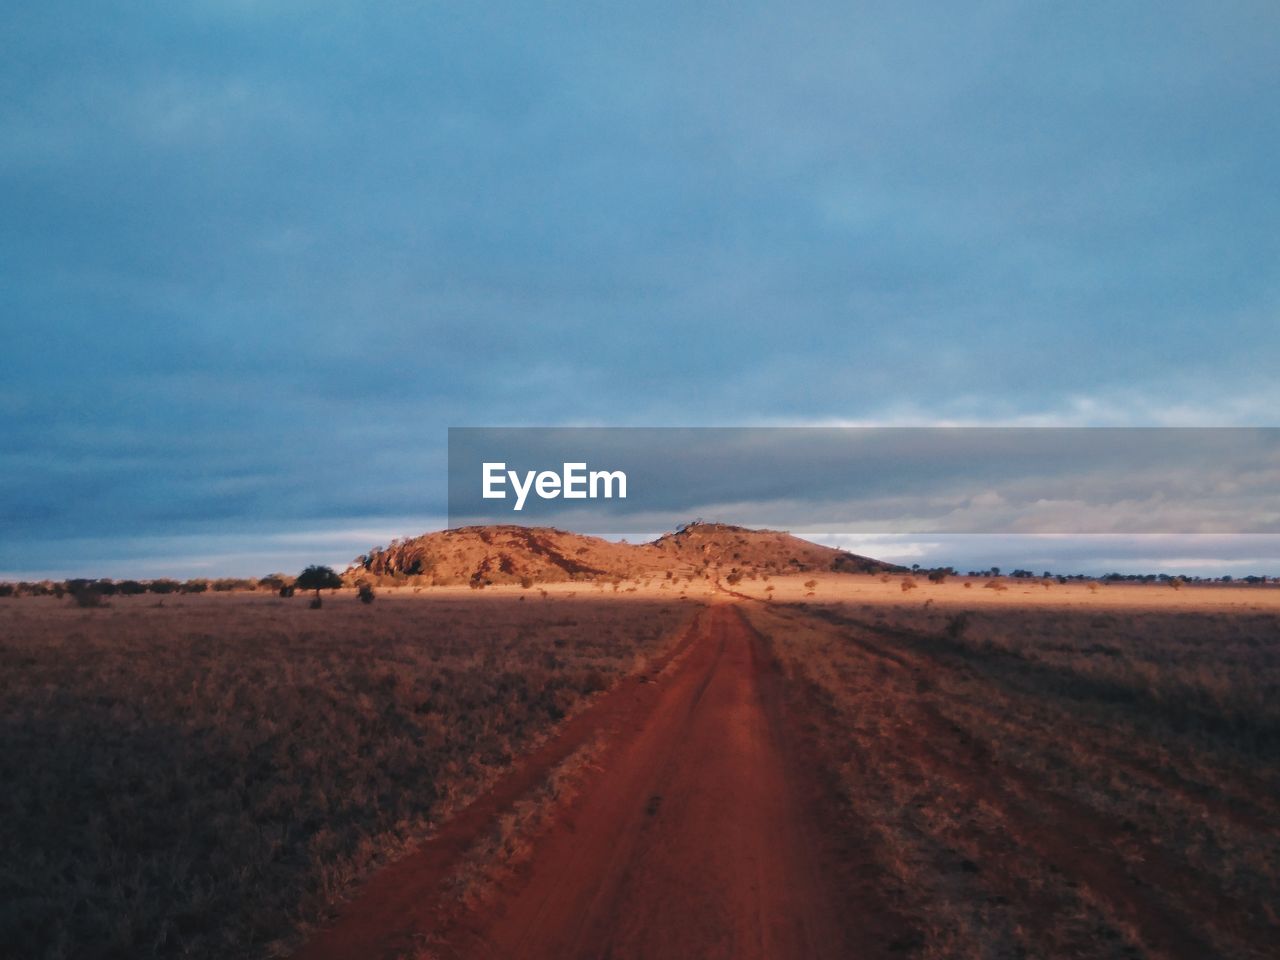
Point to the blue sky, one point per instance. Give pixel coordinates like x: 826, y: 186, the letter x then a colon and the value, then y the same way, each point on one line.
x: 255, y: 258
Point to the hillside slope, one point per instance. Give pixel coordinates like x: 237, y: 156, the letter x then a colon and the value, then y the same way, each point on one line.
x: 760, y: 551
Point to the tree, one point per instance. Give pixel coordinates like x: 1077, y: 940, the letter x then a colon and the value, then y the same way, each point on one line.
x: 318, y: 578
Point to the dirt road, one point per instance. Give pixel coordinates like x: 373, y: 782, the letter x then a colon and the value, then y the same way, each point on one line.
x: 698, y: 836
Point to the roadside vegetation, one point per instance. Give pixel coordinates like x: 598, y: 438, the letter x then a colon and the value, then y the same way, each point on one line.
x: 207, y: 777
x: 1038, y: 781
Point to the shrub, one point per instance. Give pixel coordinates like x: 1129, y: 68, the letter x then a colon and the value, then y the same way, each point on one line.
x: 908, y: 584
x: 227, y: 584
x: 365, y: 593
x: 86, y: 596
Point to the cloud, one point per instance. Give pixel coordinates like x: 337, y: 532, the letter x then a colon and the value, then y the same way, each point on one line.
x: 257, y: 257
x: 1096, y: 555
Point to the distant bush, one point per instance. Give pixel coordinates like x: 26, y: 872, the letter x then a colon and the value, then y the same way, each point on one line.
x: 365, y: 593
x: 526, y: 582
x: 28, y: 589
x: 286, y: 590
x: 227, y: 584
x: 86, y: 596
x: 164, y: 586
x: 131, y: 588
x: 908, y: 584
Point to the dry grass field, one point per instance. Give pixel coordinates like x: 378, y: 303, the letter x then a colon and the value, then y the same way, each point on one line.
x: 204, y: 778
x: 1047, y: 771
x: 965, y: 771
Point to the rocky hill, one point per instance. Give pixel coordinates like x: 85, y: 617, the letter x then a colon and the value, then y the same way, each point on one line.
x: 514, y: 554
x: 760, y: 551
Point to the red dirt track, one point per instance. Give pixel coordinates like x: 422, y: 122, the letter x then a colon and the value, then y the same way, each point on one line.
x: 697, y: 837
